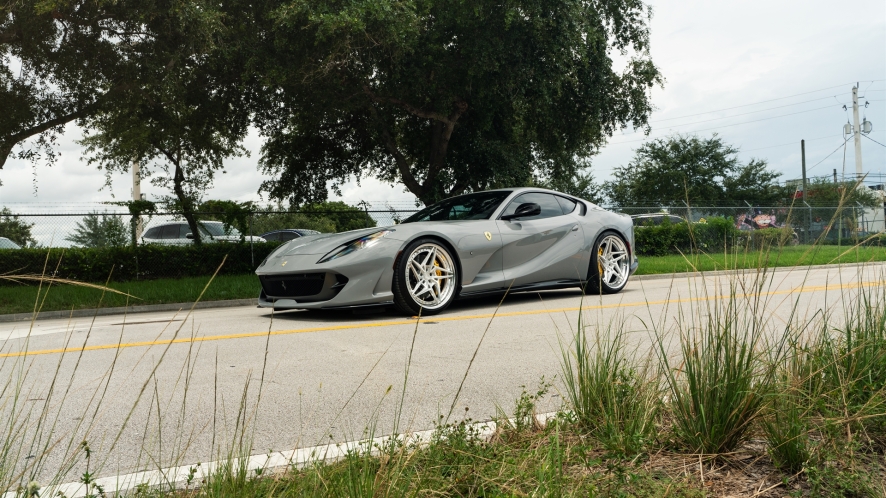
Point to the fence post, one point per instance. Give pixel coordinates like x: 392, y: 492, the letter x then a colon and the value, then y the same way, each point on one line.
x: 808, y: 225
x: 251, y: 246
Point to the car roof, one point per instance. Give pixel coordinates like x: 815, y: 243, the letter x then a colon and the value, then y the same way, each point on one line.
x: 167, y: 223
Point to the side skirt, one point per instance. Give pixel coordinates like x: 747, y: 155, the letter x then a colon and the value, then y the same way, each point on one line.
x: 549, y: 285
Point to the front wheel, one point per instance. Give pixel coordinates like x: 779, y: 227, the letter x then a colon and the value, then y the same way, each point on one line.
x: 610, y: 264
x: 426, y: 278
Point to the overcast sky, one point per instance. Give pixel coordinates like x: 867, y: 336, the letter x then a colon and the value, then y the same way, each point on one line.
x: 761, y: 74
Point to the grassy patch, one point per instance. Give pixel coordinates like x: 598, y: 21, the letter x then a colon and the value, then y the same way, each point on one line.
x: 785, y: 256
x: 21, y: 298
x: 732, y: 399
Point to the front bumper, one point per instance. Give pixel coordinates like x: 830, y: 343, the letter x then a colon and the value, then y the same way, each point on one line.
x: 299, y: 282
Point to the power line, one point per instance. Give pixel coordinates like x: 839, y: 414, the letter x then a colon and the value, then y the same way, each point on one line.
x: 744, y: 113
x: 785, y: 145
x: 764, y: 101
x: 829, y: 155
x: 729, y: 125
x: 872, y: 140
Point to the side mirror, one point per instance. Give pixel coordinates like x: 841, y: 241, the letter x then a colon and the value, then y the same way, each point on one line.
x: 189, y: 236
x: 525, y: 210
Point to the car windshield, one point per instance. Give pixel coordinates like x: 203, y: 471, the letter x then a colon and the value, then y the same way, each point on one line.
x: 479, y: 206
x: 217, y: 229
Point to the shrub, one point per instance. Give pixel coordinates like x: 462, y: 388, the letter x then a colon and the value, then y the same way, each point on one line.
x: 674, y: 238
x: 143, y: 262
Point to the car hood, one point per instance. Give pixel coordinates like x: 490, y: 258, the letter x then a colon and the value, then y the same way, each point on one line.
x: 322, y: 243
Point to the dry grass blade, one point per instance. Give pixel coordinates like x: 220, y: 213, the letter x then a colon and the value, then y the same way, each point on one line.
x: 40, y: 278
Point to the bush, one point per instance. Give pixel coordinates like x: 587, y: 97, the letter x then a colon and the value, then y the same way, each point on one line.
x: 711, y: 234
x: 674, y: 238
x: 140, y: 263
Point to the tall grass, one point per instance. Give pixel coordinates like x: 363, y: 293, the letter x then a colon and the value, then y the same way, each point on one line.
x: 717, y: 386
x: 611, y: 392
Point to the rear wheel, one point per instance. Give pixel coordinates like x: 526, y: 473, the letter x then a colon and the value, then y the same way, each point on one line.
x: 610, y: 264
x: 426, y: 278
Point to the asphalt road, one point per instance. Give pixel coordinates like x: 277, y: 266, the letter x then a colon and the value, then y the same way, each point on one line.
x: 160, y: 389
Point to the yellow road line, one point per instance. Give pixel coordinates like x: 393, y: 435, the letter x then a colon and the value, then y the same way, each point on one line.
x: 412, y: 321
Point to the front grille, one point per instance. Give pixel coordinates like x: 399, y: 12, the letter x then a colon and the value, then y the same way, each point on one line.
x: 300, y: 285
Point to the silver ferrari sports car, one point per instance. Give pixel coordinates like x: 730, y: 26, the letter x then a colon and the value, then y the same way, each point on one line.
x: 488, y: 242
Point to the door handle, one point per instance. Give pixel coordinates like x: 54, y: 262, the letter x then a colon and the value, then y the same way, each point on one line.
x: 575, y: 228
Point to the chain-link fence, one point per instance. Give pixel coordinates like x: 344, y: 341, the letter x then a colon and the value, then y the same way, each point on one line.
x: 810, y: 222
x: 92, y: 245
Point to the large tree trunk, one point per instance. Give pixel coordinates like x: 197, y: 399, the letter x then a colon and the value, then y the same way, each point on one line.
x: 186, y: 203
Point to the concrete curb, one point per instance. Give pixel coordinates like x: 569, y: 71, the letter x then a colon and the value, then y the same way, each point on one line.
x: 46, y: 315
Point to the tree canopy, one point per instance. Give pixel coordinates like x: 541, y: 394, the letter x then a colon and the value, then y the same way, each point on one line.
x: 446, y: 97
x: 669, y: 171
x: 440, y: 97
x: 63, y: 61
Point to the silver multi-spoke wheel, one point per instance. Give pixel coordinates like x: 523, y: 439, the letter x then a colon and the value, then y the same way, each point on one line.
x: 430, y: 272
x: 612, y: 262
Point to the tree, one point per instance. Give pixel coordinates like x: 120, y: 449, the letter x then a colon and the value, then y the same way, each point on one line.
x: 824, y: 192
x: 15, y: 229
x: 703, y: 171
x: 344, y: 216
x: 64, y: 61
x: 100, y: 231
x: 446, y: 97
x: 187, y: 116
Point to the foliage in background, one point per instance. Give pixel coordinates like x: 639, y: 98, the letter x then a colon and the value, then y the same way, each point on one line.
x: 15, y: 229
x: 100, y: 230
x: 148, y: 261
x: 824, y: 192
x: 669, y: 171
x: 344, y: 216
x: 446, y: 97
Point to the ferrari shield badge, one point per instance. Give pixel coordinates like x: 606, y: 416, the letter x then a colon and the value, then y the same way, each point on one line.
x: 284, y: 263
x: 488, y: 235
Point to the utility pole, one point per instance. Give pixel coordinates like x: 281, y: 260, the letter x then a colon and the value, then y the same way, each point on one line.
x: 857, y: 130
x: 137, y: 194
x: 803, y: 162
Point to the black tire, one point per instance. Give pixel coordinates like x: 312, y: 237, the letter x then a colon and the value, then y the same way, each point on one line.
x: 599, y: 280
x: 413, y: 274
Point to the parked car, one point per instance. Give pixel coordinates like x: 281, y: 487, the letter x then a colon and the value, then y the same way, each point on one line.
x: 8, y: 244
x: 287, y: 234
x: 656, y: 219
x: 492, y: 242
x: 179, y: 233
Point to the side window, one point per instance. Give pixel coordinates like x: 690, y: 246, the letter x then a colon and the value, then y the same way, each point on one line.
x: 568, y: 205
x: 271, y: 237
x: 153, y: 233
x: 284, y: 236
x: 183, y: 231
x: 550, y: 207
x: 169, y: 232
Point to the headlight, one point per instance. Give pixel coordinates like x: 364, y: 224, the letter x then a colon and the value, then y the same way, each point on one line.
x: 354, y: 245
